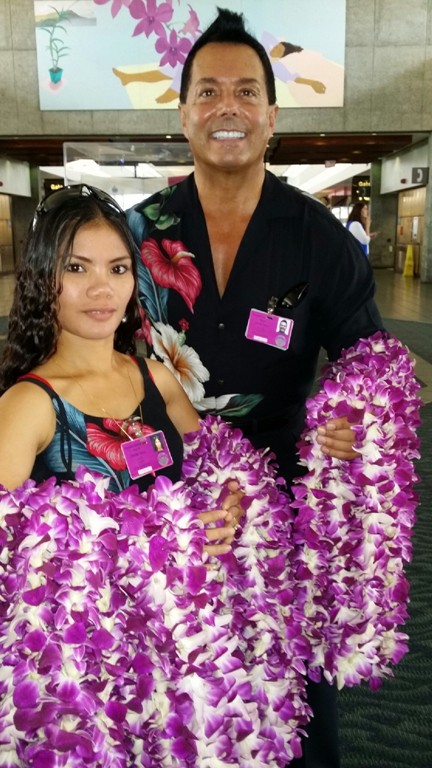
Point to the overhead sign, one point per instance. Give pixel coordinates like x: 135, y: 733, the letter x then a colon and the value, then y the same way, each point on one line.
x: 419, y: 175
x: 360, y: 189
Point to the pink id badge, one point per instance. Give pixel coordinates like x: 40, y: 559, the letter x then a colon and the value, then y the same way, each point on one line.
x: 146, y: 454
x: 269, y: 329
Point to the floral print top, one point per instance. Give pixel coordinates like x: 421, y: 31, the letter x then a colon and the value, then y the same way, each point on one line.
x: 95, y: 442
x: 291, y: 239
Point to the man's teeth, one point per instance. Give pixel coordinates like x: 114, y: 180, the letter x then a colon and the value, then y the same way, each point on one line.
x: 228, y: 135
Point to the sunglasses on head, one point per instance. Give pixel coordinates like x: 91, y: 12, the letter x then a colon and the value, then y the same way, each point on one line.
x: 53, y: 201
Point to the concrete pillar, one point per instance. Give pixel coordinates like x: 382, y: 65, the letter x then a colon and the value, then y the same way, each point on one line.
x: 383, y: 209
x: 426, y: 256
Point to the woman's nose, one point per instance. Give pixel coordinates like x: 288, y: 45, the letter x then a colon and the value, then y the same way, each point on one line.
x: 100, y: 284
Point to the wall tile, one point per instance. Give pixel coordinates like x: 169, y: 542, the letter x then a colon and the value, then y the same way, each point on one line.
x: 360, y: 22
x: 400, y: 23
x: 5, y: 26
x: 103, y: 120
x: 22, y: 23
x: 397, y: 85
x: 55, y: 123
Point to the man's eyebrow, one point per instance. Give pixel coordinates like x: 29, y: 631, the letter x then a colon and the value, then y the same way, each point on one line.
x: 239, y: 81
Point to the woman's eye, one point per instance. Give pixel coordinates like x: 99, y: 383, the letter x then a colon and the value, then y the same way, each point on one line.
x: 121, y: 269
x: 74, y: 267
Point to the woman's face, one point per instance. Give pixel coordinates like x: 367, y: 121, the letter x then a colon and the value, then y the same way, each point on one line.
x: 364, y: 212
x: 96, y: 284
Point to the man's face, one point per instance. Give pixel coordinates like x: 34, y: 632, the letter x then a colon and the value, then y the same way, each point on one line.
x: 227, y: 118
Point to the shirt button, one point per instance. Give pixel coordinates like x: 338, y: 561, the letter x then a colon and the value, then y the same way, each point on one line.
x: 221, y: 326
x: 221, y: 382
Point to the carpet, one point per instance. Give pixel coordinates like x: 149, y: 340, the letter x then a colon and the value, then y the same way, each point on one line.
x: 392, y: 728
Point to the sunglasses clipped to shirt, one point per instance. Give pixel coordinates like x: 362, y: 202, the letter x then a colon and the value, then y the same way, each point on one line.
x: 52, y: 201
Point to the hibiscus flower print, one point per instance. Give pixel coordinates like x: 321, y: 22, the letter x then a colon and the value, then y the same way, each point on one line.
x: 181, y: 359
x: 172, y: 267
x: 144, y: 332
x: 106, y: 443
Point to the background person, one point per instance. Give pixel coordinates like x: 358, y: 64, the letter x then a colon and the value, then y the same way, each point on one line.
x: 228, y: 239
x: 359, y: 224
x: 72, y: 391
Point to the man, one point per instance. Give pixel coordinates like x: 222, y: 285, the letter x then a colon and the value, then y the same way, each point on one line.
x: 228, y: 251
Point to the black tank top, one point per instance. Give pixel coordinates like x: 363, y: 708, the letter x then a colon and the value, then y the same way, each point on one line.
x: 92, y: 441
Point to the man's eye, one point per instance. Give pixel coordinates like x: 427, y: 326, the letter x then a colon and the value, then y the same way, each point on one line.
x: 207, y: 92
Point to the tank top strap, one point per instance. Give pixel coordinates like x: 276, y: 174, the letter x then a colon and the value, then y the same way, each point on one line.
x: 61, y: 417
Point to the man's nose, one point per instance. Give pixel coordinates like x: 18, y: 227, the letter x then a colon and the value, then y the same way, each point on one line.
x: 228, y: 103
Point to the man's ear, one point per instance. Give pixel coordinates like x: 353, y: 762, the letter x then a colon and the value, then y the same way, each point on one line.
x: 183, y: 121
x: 274, y: 109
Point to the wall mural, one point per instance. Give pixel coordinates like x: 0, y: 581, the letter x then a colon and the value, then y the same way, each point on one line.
x: 128, y: 54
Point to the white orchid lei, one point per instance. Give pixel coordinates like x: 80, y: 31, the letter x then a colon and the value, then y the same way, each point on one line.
x: 354, y: 518
x: 119, y: 648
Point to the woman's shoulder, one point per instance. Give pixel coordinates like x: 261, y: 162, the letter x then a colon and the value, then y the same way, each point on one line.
x: 24, y: 395
x: 29, y: 408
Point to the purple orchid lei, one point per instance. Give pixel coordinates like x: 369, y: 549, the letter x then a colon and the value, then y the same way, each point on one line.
x: 119, y: 647
x: 354, y: 518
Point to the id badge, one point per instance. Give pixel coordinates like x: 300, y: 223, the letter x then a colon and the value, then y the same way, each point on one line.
x: 146, y: 454
x: 268, y: 328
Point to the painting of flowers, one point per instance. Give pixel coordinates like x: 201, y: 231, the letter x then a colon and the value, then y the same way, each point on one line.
x: 129, y: 54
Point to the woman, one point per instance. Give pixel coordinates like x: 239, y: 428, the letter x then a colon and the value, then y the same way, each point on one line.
x: 72, y: 392
x: 359, y: 224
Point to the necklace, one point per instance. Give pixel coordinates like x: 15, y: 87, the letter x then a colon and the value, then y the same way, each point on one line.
x: 133, y: 426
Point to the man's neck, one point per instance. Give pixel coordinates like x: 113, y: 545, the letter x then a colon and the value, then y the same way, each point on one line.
x: 223, y: 190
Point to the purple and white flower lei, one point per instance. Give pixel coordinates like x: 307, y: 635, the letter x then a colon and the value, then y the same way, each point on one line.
x: 118, y: 647
x: 354, y: 518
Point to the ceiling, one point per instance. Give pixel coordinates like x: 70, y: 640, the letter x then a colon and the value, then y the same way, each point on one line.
x: 282, y: 151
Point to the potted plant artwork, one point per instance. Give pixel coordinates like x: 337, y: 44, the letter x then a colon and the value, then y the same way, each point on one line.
x: 53, y: 25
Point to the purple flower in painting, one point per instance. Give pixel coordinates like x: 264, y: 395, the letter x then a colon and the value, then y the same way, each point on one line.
x: 152, y: 16
x: 173, y: 49
x: 192, y: 25
x: 117, y: 5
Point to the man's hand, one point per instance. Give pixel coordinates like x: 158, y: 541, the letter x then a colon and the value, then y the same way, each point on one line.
x: 336, y: 439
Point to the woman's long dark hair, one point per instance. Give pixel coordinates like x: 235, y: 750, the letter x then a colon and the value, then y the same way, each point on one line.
x: 355, y: 214
x: 34, y: 329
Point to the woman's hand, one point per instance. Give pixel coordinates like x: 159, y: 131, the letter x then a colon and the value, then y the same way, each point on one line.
x: 337, y: 438
x: 232, y: 504
x: 230, y: 513
x: 220, y: 536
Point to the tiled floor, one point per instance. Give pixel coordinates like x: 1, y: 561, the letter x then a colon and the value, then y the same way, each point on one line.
x: 403, y: 298
x: 398, y: 298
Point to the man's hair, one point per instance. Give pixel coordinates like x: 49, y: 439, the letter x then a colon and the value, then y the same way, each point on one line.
x: 228, y: 27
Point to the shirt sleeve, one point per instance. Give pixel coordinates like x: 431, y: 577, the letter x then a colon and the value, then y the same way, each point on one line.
x: 345, y: 310
x: 359, y: 232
